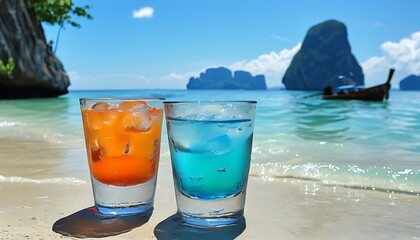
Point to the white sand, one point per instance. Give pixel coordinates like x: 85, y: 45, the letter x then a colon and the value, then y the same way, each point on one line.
x: 281, y: 209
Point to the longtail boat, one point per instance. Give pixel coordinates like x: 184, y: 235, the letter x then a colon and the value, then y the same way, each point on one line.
x: 375, y: 93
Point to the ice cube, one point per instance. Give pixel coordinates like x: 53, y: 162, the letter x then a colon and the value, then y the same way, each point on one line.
x: 238, y: 130
x: 102, y: 106
x: 215, y: 146
x: 179, y: 146
x: 194, y: 135
x: 105, y: 121
x: 141, y: 106
x: 142, y: 112
x: 139, y: 120
x: 129, y: 106
x: 142, y: 120
x: 145, y: 125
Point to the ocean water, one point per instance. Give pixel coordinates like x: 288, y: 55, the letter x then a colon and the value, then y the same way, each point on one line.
x: 368, y: 145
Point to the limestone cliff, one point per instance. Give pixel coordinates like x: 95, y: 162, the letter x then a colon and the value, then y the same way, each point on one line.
x: 410, y: 83
x: 325, y: 59
x: 221, y: 78
x: 38, y: 72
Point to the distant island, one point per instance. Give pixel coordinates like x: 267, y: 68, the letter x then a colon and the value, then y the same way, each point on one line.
x: 325, y: 59
x: 222, y: 78
x: 411, y: 82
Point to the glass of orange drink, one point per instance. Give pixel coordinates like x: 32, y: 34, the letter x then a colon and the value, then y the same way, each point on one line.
x: 123, y: 145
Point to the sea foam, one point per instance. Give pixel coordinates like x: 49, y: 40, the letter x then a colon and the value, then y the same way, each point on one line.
x: 69, y: 181
x: 10, y: 124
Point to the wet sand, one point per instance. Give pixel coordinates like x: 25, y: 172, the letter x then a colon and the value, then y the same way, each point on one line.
x: 54, y: 186
x: 277, y: 209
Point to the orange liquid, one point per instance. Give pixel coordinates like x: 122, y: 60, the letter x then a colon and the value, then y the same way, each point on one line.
x: 121, y: 153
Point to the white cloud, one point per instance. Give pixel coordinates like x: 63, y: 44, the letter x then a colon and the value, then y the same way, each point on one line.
x: 146, y: 12
x: 273, y: 65
x: 404, y: 56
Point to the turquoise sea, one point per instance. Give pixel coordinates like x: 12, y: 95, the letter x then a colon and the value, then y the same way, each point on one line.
x: 369, y: 145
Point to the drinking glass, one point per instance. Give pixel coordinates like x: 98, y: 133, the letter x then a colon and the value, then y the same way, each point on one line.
x: 210, y: 144
x: 123, y: 145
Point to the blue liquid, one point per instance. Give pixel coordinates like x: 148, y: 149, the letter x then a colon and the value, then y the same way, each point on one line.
x: 210, y: 158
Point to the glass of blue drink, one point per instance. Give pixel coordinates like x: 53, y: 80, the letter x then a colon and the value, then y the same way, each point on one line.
x: 210, y: 144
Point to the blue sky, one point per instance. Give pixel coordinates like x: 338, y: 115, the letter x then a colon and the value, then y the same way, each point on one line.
x: 149, y: 44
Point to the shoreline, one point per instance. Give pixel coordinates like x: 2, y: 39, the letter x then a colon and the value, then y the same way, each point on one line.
x: 286, y: 208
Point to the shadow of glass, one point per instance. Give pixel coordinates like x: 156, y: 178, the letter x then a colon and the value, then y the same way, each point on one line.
x: 89, y: 223
x: 174, y: 228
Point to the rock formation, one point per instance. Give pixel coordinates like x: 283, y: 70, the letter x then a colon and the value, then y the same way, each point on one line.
x: 38, y: 73
x: 411, y: 82
x: 221, y: 78
x: 325, y: 59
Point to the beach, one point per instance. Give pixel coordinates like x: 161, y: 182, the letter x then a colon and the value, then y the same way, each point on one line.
x: 319, y: 170
x: 275, y: 209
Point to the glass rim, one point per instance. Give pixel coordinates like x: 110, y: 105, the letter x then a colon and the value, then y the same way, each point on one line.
x: 120, y: 99
x: 211, y: 102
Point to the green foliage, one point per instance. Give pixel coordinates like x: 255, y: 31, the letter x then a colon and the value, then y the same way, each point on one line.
x: 51, y: 43
x: 7, y: 69
x: 59, y: 12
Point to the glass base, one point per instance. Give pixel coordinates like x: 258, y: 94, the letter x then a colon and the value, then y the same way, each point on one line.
x: 205, y: 213
x: 212, y: 222
x: 116, y: 200
x: 125, y: 210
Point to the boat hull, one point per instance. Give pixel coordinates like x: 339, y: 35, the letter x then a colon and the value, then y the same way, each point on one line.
x: 376, y: 93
